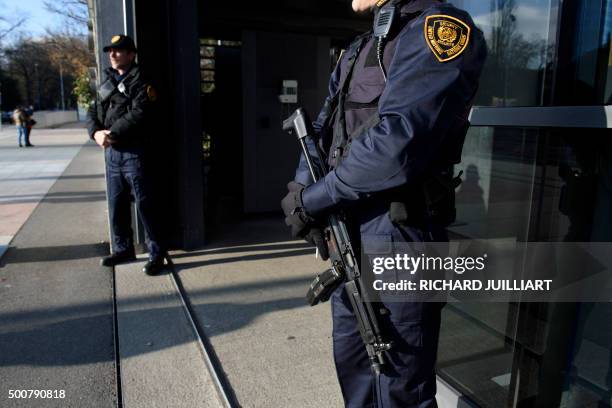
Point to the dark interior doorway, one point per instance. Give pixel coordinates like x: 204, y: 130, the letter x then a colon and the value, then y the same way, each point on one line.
x: 221, y: 106
x: 246, y: 52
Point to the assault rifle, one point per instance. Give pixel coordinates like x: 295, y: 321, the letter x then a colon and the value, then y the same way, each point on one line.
x: 344, y: 265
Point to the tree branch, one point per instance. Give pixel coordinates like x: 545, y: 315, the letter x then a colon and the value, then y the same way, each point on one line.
x: 12, y: 28
x: 74, y: 10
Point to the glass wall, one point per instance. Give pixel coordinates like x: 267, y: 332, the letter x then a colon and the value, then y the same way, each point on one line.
x: 532, y: 185
x: 584, y: 75
x: 544, y: 52
x: 536, y: 184
x: 521, y: 39
x: 477, y: 344
x: 564, y: 350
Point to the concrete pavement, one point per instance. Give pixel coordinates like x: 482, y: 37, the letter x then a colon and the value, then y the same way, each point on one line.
x: 27, y: 174
x: 248, y: 291
x: 55, y: 300
x: 162, y: 364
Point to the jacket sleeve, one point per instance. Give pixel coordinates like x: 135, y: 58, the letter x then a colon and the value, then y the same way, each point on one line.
x: 302, y: 174
x: 421, y: 99
x: 93, y: 125
x: 135, y: 117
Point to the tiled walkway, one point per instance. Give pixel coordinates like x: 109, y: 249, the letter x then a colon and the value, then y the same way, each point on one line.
x: 27, y: 174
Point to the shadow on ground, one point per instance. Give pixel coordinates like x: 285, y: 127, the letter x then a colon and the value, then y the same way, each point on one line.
x: 54, y: 337
x: 16, y: 255
x: 55, y: 198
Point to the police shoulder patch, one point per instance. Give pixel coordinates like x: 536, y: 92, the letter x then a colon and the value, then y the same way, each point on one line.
x: 151, y: 93
x: 446, y: 36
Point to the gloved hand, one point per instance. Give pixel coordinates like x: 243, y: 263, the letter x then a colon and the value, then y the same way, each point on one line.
x: 301, y: 223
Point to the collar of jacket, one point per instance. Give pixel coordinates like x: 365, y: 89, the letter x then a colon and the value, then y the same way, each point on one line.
x: 413, y: 6
x: 409, y: 6
x: 133, y: 72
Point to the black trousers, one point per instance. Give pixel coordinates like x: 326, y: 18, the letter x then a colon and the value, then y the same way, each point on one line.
x: 126, y: 178
x: 408, y: 379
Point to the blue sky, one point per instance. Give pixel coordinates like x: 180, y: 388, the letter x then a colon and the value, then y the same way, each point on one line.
x: 38, y: 18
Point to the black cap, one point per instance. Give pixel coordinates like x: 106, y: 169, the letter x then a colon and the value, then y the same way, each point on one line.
x: 120, y: 42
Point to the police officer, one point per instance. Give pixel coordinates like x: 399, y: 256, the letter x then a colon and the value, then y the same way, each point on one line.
x: 393, y: 125
x: 119, y: 121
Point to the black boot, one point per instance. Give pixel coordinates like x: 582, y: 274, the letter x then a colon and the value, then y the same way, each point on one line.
x: 118, y: 258
x: 154, y: 265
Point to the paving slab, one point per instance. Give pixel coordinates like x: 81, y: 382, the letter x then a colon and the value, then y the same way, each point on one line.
x: 248, y: 291
x: 161, y: 362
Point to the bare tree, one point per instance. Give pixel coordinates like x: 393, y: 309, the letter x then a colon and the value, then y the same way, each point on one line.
x: 75, y: 11
x: 69, y: 49
x: 510, y: 52
x: 12, y: 27
x: 23, y: 61
x: 45, y: 70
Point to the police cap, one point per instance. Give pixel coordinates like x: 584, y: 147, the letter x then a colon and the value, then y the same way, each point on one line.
x: 121, y: 42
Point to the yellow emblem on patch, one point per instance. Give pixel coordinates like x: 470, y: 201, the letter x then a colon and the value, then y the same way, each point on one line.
x: 151, y: 93
x: 446, y: 36
x: 115, y: 39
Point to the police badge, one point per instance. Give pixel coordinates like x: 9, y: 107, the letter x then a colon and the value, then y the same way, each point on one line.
x: 151, y: 93
x: 446, y: 36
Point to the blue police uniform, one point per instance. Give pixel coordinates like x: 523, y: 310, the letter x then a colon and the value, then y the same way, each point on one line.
x: 125, y: 106
x: 398, y: 134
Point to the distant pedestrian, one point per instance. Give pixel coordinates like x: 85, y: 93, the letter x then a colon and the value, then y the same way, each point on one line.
x: 20, y: 118
x: 30, y: 122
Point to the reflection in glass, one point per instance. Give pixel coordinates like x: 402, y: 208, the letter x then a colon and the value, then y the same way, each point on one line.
x: 493, y: 202
x: 207, y: 52
x: 520, y: 36
x: 494, y: 199
x: 207, y: 75
x: 532, y: 185
x: 584, y: 76
x: 207, y: 63
x: 544, y: 52
x: 566, y: 358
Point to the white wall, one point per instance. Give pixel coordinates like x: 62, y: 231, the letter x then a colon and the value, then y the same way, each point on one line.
x: 53, y: 118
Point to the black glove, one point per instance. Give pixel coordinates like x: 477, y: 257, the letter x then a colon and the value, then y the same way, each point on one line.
x: 295, y: 216
x: 301, y: 223
x: 316, y: 238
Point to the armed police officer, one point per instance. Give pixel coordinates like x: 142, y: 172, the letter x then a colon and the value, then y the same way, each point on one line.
x: 393, y: 127
x: 120, y: 121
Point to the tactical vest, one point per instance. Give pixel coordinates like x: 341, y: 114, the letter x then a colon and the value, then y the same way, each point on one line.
x: 354, y: 109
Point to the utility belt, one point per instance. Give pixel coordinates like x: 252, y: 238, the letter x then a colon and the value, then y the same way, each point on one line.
x: 425, y: 203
